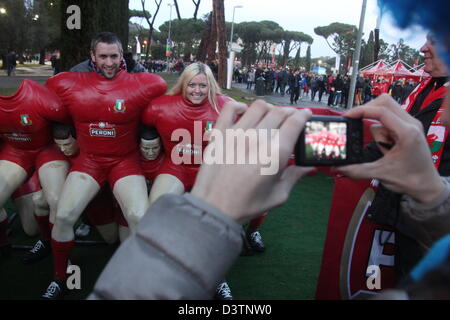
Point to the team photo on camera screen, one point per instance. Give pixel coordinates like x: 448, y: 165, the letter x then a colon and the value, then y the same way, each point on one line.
x: 325, y: 140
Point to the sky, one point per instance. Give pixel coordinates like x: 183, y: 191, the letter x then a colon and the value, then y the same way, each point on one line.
x: 294, y: 15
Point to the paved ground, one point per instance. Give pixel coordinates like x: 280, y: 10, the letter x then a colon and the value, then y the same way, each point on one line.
x: 278, y: 99
x: 37, y: 73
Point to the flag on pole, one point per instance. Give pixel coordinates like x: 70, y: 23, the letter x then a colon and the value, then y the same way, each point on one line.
x: 168, y: 48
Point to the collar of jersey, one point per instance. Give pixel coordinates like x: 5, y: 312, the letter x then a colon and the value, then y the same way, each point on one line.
x: 16, y: 96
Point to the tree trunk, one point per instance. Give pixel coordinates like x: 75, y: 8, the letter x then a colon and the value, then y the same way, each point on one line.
x: 262, y: 53
x: 203, y: 47
x: 212, y: 43
x: 151, y: 24
x: 287, y: 44
x: 219, y: 12
x: 42, y: 56
x: 75, y: 44
x: 376, y: 48
x: 308, y: 59
x: 149, y: 44
x: 297, y: 57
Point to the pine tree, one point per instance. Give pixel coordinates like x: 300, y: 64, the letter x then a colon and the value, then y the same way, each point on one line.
x: 367, y: 51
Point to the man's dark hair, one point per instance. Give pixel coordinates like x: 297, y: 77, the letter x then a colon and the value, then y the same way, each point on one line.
x: 63, y: 131
x: 148, y: 133
x: 106, y: 37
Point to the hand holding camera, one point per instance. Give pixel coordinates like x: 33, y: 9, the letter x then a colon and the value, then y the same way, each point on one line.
x: 407, y: 166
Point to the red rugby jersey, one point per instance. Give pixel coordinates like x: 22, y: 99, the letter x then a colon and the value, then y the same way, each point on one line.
x: 25, y: 115
x: 169, y: 113
x: 106, y: 113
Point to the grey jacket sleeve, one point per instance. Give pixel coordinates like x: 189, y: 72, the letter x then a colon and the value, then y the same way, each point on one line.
x: 82, y: 67
x: 182, y: 249
x: 429, y: 222
x: 139, y: 68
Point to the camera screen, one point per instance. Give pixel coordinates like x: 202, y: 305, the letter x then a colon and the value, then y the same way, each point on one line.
x: 325, y: 140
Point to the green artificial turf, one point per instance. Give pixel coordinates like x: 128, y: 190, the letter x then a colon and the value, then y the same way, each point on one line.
x: 294, y: 235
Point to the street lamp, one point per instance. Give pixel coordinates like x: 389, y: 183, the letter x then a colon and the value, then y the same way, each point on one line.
x: 232, y: 27
x: 169, y: 42
x: 231, y: 57
x: 2, y: 11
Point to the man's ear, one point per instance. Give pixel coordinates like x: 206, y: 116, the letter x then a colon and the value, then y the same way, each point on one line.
x: 92, y: 56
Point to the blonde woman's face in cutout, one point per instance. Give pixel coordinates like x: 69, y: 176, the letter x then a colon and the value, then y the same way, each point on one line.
x: 197, y: 89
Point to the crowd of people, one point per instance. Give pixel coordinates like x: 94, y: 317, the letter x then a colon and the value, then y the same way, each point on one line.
x: 173, y: 66
x: 308, y: 85
x: 184, y: 244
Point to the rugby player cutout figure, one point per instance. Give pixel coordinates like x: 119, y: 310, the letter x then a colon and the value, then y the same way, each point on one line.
x: 106, y: 108
x: 152, y: 156
x: 192, y: 105
x: 29, y: 198
x: 26, y: 141
x: 196, y: 99
x: 101, y: 211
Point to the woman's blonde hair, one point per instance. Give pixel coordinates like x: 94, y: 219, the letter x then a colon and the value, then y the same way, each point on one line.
x: 191, y: 71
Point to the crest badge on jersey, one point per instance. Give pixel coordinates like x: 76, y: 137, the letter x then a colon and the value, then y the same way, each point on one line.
x: 25, y: 120
x: 120, y: 106
x: 209, y: 125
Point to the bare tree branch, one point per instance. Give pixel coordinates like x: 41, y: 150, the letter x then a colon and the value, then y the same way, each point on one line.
x: 197, y: 5
x: 150, y: 23
x: 145, y: 13
x: 177, y: 9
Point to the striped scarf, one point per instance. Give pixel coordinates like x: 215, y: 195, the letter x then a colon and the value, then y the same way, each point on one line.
x: 437, y: 133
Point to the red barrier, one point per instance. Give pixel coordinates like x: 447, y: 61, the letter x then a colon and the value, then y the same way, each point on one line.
x: 355, y: 247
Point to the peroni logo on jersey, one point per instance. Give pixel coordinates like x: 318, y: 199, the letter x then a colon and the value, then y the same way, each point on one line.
x: 103, y: 130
